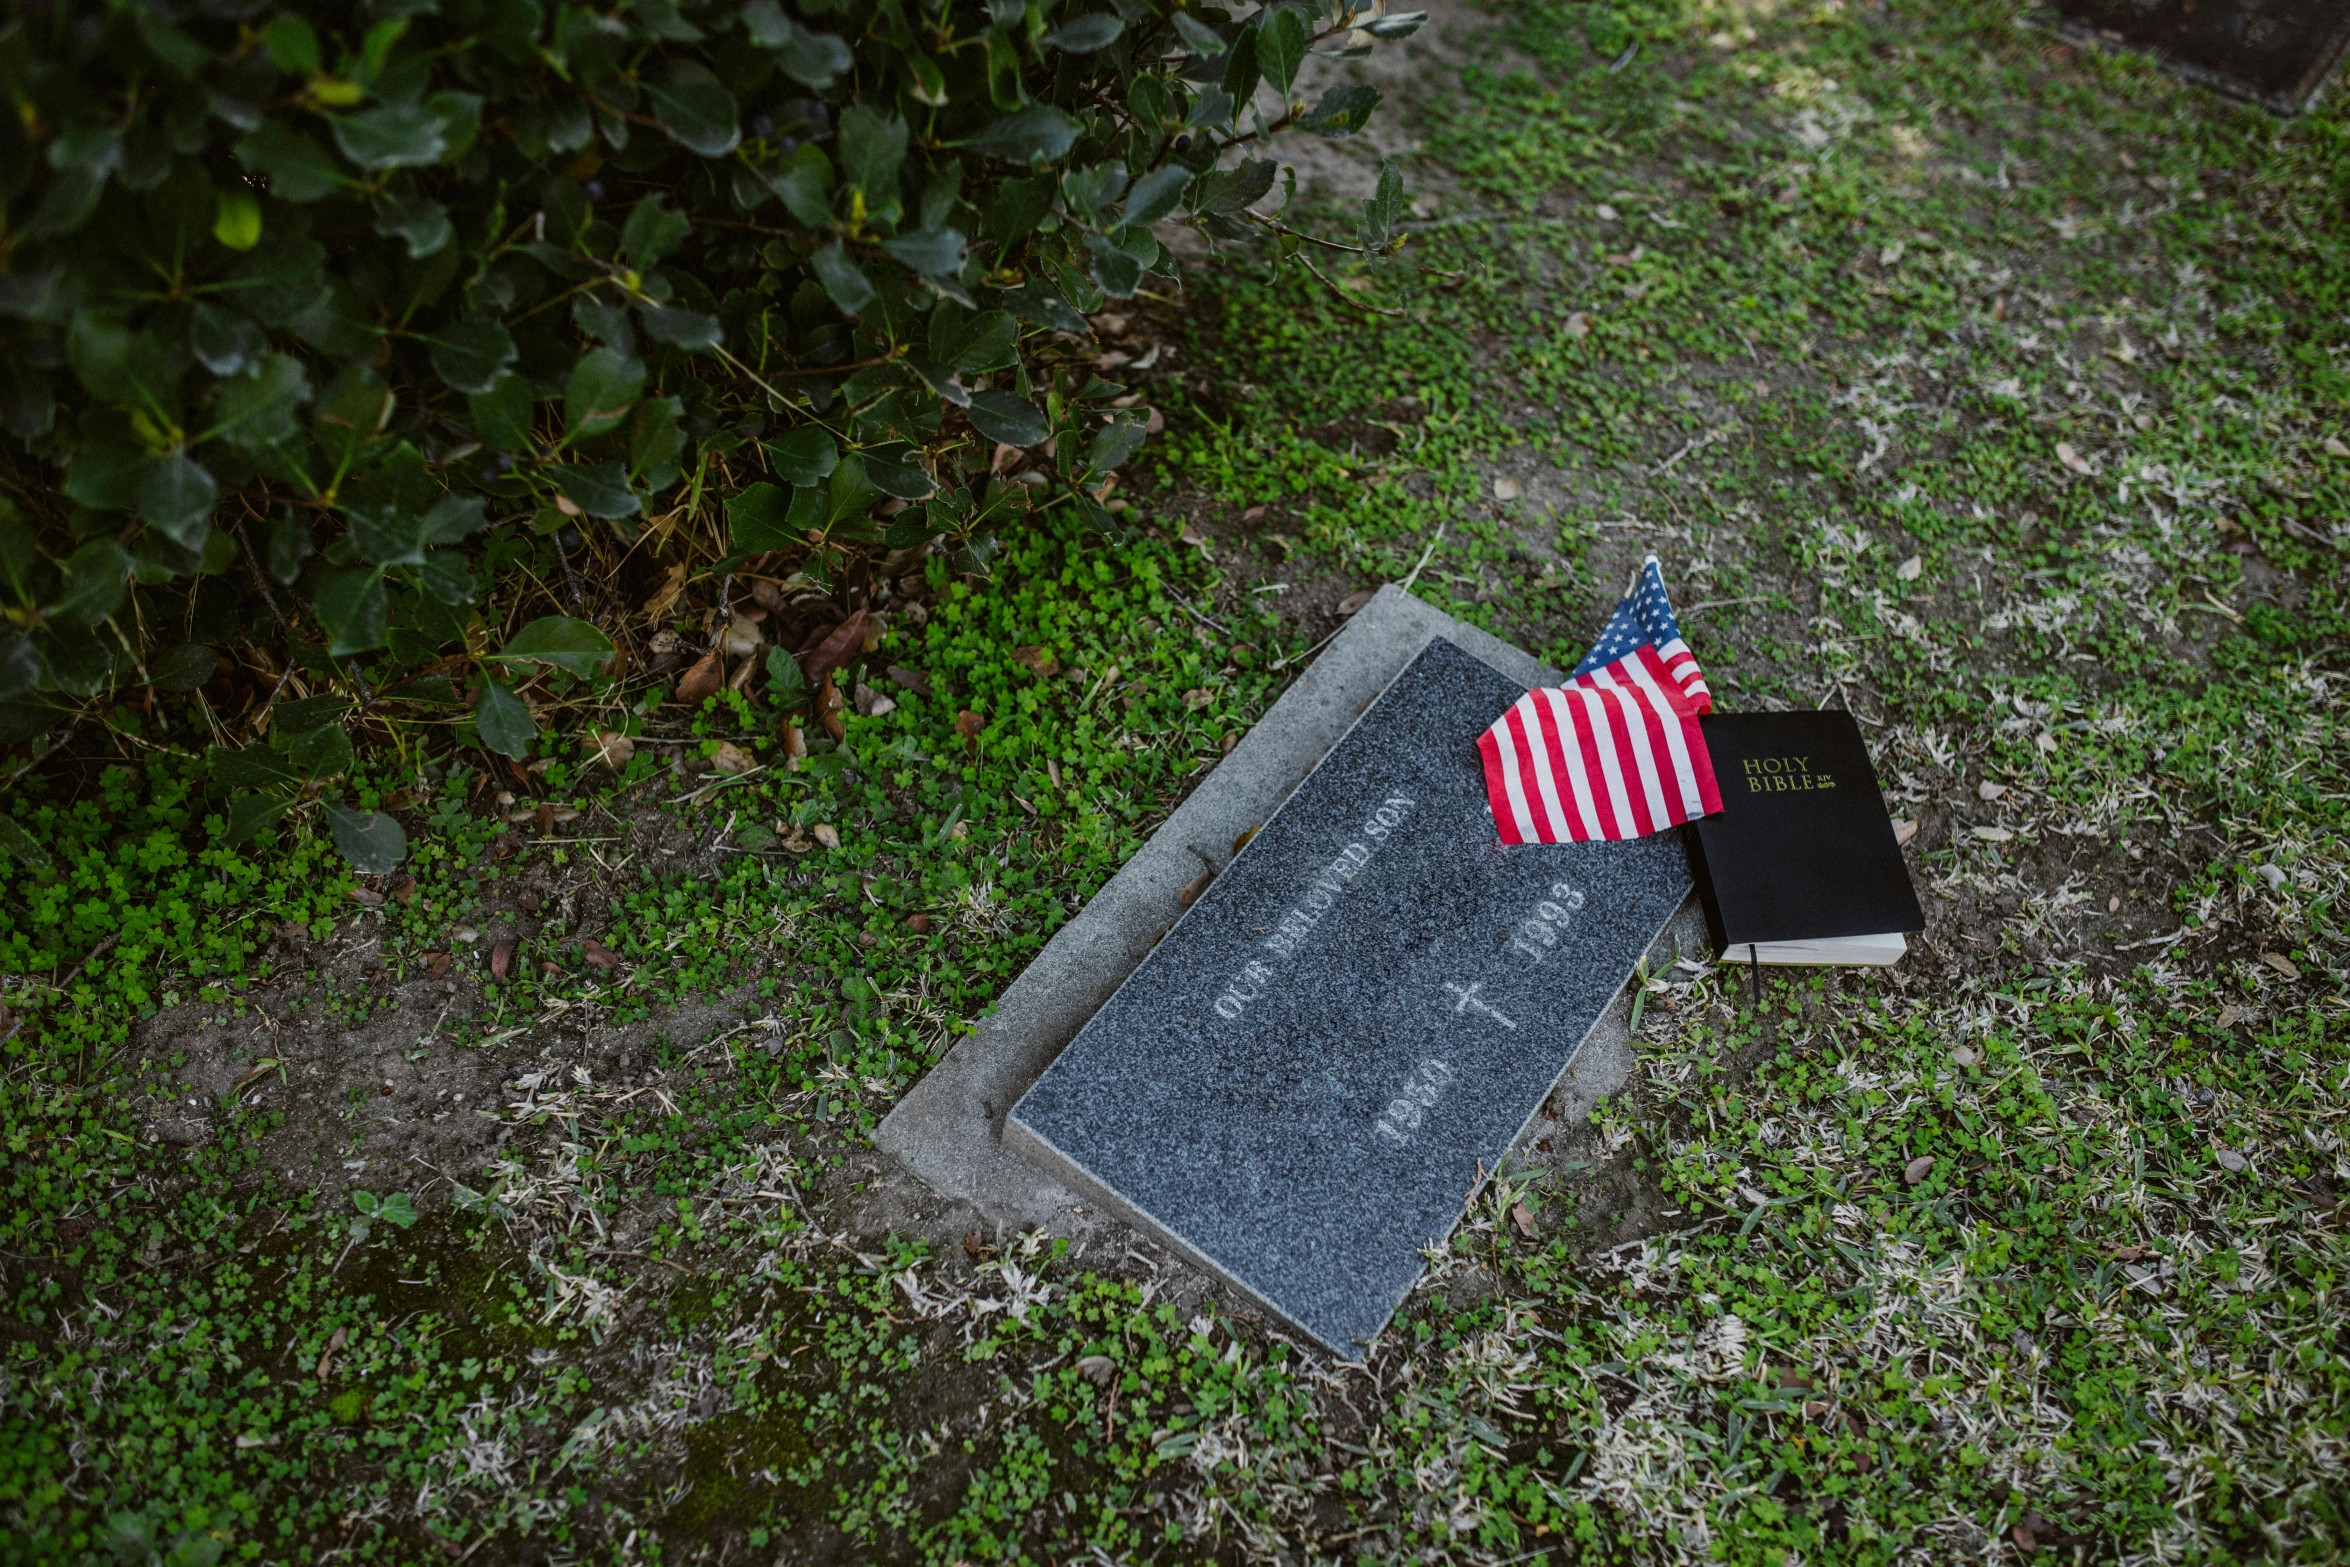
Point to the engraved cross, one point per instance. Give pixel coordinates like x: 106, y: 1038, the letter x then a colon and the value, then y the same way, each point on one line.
x: 1469, y: 1001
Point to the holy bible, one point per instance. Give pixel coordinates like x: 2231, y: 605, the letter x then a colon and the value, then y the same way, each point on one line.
x: 1800, y: 864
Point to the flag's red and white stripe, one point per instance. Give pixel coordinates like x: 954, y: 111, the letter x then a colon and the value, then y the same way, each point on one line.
x: 1688, y: 679
x: 1615, y: 753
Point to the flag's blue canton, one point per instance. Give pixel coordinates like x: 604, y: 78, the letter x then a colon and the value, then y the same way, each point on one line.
x: 1644, y: 618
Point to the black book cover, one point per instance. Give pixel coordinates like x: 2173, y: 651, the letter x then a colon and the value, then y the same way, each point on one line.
x: 1802, y: 849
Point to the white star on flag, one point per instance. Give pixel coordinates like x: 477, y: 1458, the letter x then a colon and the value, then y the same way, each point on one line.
x: 1616, y: 752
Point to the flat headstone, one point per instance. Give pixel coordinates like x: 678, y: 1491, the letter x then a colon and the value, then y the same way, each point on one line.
x: 2276, y: 53
x: 1305, y: 1081
x: 948, y: 1129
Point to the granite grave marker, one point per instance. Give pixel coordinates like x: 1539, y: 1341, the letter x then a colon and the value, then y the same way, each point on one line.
x: 2276, y: 53
x: 1303, y: 1082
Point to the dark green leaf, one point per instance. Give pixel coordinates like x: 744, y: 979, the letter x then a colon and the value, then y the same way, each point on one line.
x: 1085, y: 34
x: 393, y: 136
x: 292, y: 45
x: 805, y: 455
x: 763, y: 517
x: 896, y: 470
x: 324, y: 752
x: 1198, y: 36
x: 262, y: 410
x: 249, y: 813
x: 1009, y: 418
x: 1230, y: 190
x: 453, y: 519
x: 598, y: 488
x: 304, y: 713
x: 1398, y: 24
x: 603, y: 387
x: 182, y: 668
x: 1281, y: 47
x: 872, y: 150
x: 848, y: 495
x: 372, y: 841
x: 1344, y: 110
x: 694, y: 107
x: 471, y: 355
x: 225, y: 342
x: 785, y: 680
x: 289, y: 547
x: 1118, y: 273
x: 656, y: 440
x: 256, y: 767
x: 1155, y: 195
x: 681, y: 328
x: 419, y: 220
x: 502, y: 415
x: 569, y: 644
x: 1113, y: 444
x: 504, y: 722
x: 1039, y: 132
x: 26, y: 850
x: 1383, y: 212
x: 176, y: 494
x: 988, y: 341
x: 931, y: 252
x: 353, y: 608
x: 299, y: 169
x: 842, y: 279
x: 448, y: 577
x: 96, y: 577
x: 1241, y: 70
x: 653, y: 231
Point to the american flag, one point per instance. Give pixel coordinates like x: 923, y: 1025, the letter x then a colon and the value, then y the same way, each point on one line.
x: 1616, y: 752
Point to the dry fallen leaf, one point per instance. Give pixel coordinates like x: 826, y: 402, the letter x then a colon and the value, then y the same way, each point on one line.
x: 911, y: 679
x: 2282, y: 964
x: 732, y: 758
x: 1198, y: 697
x: 1987, y: 790
x: 367, y: 897
x: 1353, y: 602
x: 1967, y: 1055
x: 2073, y: 460
x: 1993, y: 834
x: 502, y: 957
x: 829, y: 654
x: 2125, y: 1253
x: 2229, y: 1159
x: 708, y: 673
x: 1252, y: 514
x: 1038, y: 659
x: 919, y: 924
x: 610, y: 747
x: 1904, y: 829
x: 741, y: 636
x: 1523, y: 1217
x: 1192, y: 890
x: 2335, y: 448
x: 1097, y: 1369
x: 1578, y: 325
x: 827, y: 834
x: 1507, y: 489
x: 1911, y: 569
x: 600, y: 955
x: 829, y: 702
x: 439, y: 963
x: 795, y: 745
x: 2113, y: 903
x: 968, y: 724
x: 1918, y: 1169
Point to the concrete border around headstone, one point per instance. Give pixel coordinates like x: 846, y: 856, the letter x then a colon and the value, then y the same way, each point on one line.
x: 948, y: 1130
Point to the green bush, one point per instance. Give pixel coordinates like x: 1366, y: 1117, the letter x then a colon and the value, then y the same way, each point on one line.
x: 321, y: 325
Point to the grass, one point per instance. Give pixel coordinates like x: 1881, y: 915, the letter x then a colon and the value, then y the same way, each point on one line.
x: 1863, y: 279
